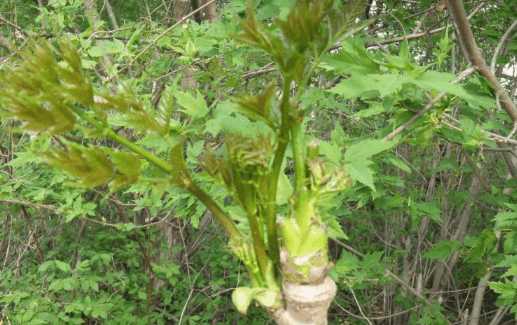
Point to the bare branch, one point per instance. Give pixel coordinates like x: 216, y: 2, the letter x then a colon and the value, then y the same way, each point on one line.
x: 478, y: 299
x: 473, y: 54
x: 506, y: 37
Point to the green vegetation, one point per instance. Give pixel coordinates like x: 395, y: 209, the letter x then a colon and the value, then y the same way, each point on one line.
x: 289, y: 162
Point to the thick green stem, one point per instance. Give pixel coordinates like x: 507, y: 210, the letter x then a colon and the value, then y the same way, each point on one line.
x: 283, y: 140
x: 298, y: 142
x: 258, y: 244
x: 301, y: 195
x: 248, y: 201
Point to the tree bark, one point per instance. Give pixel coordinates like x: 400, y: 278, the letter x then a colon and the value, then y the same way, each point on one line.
x: 306, y: 304
x: 210, y: 12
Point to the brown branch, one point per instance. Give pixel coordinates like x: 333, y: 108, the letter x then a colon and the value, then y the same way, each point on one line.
x: 464, y: 74
x: 473, y: 54
x: 506, y: 37
x: 13, y: 25
x: 419, y: 34
x: 478, y: 299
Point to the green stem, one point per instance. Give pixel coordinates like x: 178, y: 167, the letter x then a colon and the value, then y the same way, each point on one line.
x: 246, y: 196
x: 283, y: 140
x: 158, y: 162
x: 258, y: 244
x: 212, y: 206
x: 298, y: 142
x: 225, y: 221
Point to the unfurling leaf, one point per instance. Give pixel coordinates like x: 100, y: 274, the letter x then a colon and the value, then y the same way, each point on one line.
x: 127, y: 167
x: 249, y: 155
x: 91, y: 165
x: 96, y: 166
x: 256, y: 35
x: 303, y: 25
x: 258, y: 108
x: 123, y: 100
x: 177, y: 159
x: 41, y: 91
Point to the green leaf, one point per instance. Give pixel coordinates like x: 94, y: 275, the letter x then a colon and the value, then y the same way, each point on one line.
x: 429, y: 209
x: 381, y: 84
x: 65, y: 267
x: 472, y: 133
x: 105, y: 47
x: 347, y: 263
x: 442, y: 249
x: 193, y: 105
x: 506, y: 220
x: 353, y: 58
x: 361, y: 172
x: 331, y: 151
x: 400, y: 164
x: 365, y: 149
x: 241, y: 298
x: 372, y: 110
x: 442, y: 82
x: 285, y: 190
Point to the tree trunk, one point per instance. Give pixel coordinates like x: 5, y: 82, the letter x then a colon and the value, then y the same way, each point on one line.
x: 210, y: 11
x: 306, y: 304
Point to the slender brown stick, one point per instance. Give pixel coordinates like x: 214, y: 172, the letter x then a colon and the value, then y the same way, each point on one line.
x: 13, y: 25
x: 464, y: 74
x: 473, y: 54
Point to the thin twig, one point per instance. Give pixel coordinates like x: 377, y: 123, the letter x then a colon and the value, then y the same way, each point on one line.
x: 388, y: 273
x: 419, y: 34
x: 376, y: 317
x: 359, y: 306
x: 29, y: 204
x: 7, y: 22
x: 506, y: 36
x: 464, y: 74
x: 165, y: 32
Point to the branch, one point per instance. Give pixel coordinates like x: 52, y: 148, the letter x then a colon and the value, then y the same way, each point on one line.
x: 478, y: 298
x: 283, y: 139
x: 493, y: 136
x: 29, y: 204
x: 462, y: 76
x: 165, y: 32
x: 13, y: 25
x: 419, y: 34
x: 502, y: 41
x: 473, y: 54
